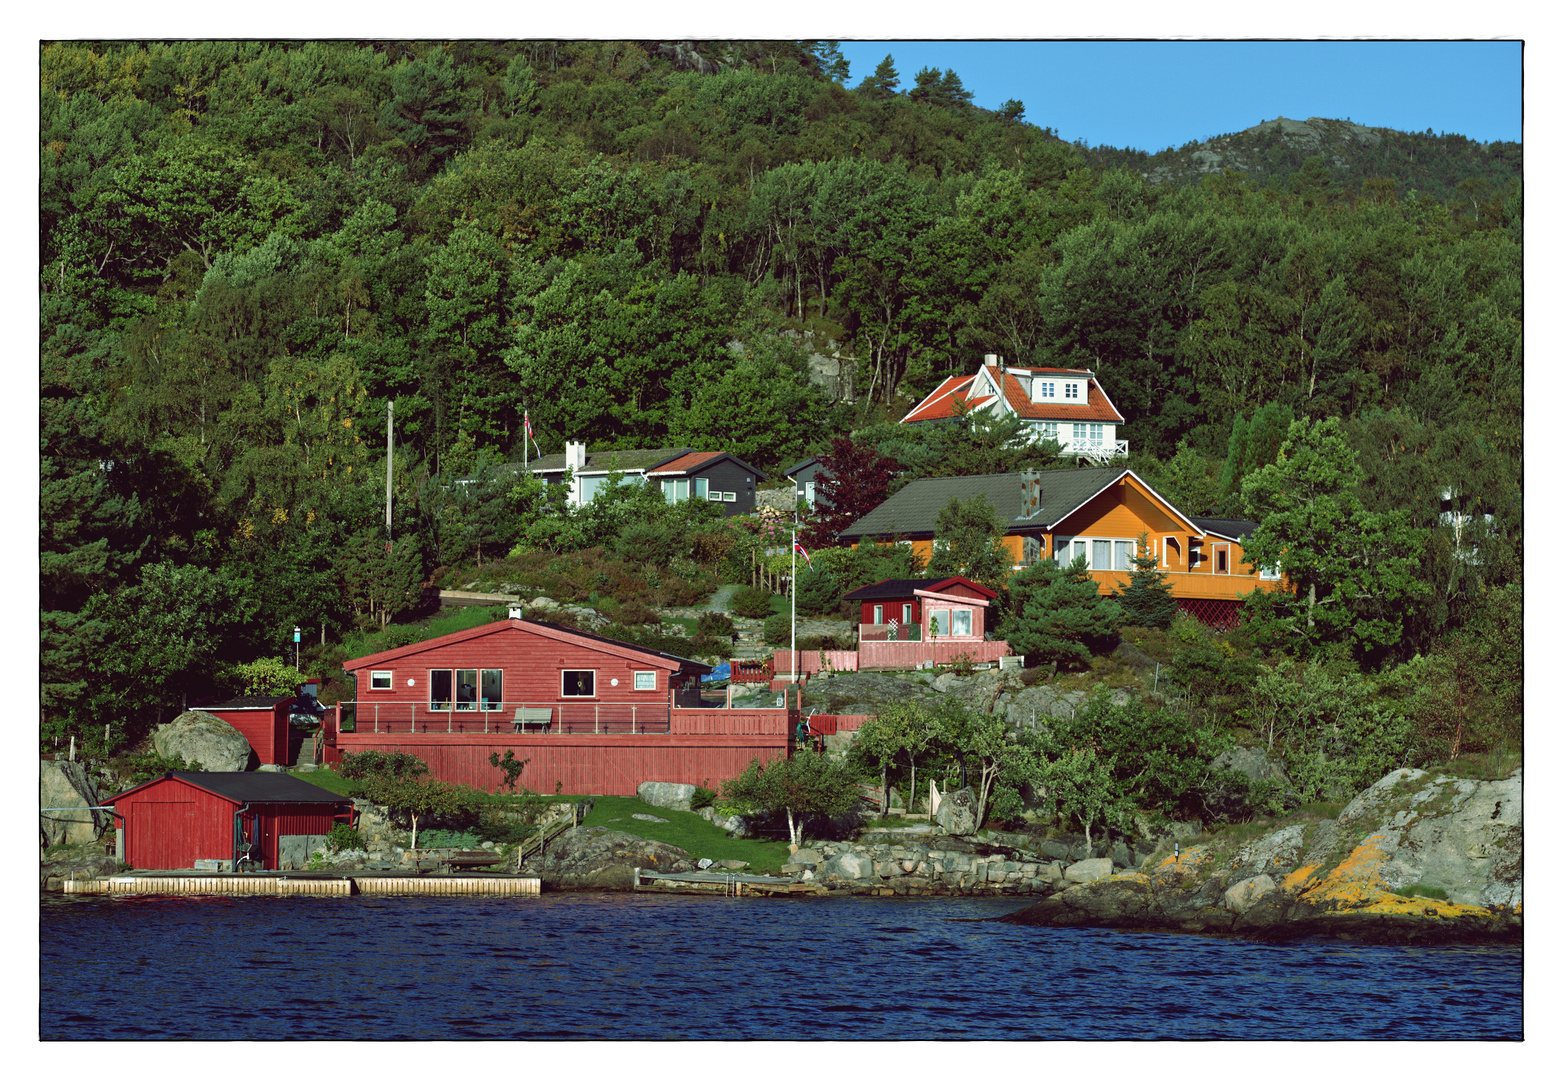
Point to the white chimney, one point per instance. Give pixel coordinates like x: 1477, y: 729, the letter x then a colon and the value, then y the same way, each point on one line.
x: 515, y: 611
x: 1030, y: 494
x: 991, y: 359
x: 575, y: 455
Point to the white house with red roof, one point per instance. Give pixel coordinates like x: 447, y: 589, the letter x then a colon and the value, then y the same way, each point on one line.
x: 1067, y: 405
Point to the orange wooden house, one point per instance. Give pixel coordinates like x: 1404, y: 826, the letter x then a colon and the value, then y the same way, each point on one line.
x: 1097, y: 513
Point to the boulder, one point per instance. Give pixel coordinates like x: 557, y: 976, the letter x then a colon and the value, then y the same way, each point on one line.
x: 1242, y: 896
x: 600, y: 858
x: 204, y: 741
x: 67, y: 784
x: 846, y: 865
x: 653, y: 818
x: 664, y: 795
x: 1120, y: 854
x: 958, y: 812
x: 1089, y: 870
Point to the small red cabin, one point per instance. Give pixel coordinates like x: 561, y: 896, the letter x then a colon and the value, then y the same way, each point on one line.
x: 262, y: 720
x: 180, y: 817
x: 954, y: 606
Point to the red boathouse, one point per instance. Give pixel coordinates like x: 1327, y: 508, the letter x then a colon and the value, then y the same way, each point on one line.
x: 179, y: 817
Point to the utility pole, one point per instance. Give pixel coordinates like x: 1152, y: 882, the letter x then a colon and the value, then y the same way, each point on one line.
x: 390, y: 413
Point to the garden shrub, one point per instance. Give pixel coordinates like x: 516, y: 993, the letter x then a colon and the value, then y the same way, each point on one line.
x: 702, y: 798
x: 752, y: 603
x: 343, y: 837
x: 713, y: 624
x: 778, y: 629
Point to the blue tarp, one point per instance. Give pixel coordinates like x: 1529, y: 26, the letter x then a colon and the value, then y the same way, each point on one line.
x: 724, y: 670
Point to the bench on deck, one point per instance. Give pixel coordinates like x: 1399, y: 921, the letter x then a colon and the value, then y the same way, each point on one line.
x: 471, y: 860
x: 527, y: 718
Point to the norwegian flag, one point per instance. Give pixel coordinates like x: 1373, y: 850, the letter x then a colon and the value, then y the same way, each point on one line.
x: 527, y: 420
x: 800, y: 550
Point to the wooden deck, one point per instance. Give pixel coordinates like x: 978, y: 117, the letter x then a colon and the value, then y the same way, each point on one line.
x: 313, y: 885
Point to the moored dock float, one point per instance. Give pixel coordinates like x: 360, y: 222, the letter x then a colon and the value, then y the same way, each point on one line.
x: 704, y: 883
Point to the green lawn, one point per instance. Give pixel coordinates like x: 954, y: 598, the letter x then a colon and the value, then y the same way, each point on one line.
x: 689, y: 831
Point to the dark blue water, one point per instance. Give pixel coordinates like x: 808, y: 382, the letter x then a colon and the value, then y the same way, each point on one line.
x: 626, y: 966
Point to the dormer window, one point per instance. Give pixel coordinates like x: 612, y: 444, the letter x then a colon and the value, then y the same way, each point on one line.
x: 1071, y: 391
x: 1047, y: 390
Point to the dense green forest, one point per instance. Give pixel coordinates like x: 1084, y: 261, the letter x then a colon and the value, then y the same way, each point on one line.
x: 249, y: 250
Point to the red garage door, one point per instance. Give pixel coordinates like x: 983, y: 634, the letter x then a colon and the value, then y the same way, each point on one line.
x: 160, y: 835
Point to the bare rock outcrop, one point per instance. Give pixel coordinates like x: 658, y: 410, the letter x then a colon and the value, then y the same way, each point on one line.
x: 601, y: 858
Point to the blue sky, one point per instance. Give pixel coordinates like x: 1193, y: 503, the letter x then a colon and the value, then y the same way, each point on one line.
x: 1153, y: 94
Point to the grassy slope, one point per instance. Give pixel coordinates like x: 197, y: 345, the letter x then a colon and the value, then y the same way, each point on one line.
x: 689, y: 831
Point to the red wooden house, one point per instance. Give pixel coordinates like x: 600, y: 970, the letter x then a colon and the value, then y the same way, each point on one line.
x: 179, y: 817
x: 261, y: 720
x: 905, y: 609
x: 594, y: 715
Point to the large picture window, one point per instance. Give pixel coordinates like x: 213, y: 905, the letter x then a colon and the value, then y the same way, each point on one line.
x: 962, y: 622
x: 578, y: 684
x: 459, y: 689
x: 939, y: 621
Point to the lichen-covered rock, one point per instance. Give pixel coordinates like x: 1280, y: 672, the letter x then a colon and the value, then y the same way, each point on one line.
x: 863, y: 692
x: 204, y: 739
x: 1342, y: 877
x: 601, y: 858
x: 1242, y: 896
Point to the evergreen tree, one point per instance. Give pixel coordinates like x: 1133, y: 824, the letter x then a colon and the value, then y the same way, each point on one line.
x: 1056, y: 614
x: 1148, y: 600
x: 881, y: 85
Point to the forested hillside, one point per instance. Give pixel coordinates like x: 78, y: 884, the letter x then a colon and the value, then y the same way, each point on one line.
x: 248, y: 250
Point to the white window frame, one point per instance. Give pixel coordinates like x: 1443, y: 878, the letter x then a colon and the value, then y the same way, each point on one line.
x: 956, y: 617
x: 1050, y: 430
x: 700, y: 488
x: 936, y: 616
x: 1112, y: 543
x: 906, y: 614
x: 1269, y: 573
x: 729, y: 496
x: 499, y: 703
x: 449, y: 702
x: 879, y: 614
x: 808, y: 492
x: 1047, y: 391
x: 1071, y: 391
x: 672, y: 492
x: 577, y: 671
x: 1170, y: 542
x: 376, y: 676
x: 646, y: 677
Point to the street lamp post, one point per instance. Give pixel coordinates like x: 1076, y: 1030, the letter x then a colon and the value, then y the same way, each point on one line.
x: 296, y: 635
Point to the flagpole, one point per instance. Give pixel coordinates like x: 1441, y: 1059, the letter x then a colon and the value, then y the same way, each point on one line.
x: 795, y: 597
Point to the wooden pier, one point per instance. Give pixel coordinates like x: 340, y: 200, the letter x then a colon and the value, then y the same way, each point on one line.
x: 312, y: 885
x: 706, y: 883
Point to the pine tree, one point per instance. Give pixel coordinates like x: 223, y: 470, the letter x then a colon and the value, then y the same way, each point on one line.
x: 1056, y: 613
x: 1148, y: 600
x: 883, y: 82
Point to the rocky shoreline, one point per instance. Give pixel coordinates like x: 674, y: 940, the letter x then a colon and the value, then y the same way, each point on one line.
x: 1414, y: 858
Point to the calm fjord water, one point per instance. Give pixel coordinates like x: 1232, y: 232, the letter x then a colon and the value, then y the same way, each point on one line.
x: 626, y: 966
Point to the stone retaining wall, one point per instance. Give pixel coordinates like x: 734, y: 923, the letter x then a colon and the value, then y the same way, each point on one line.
x: 943, y: 868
